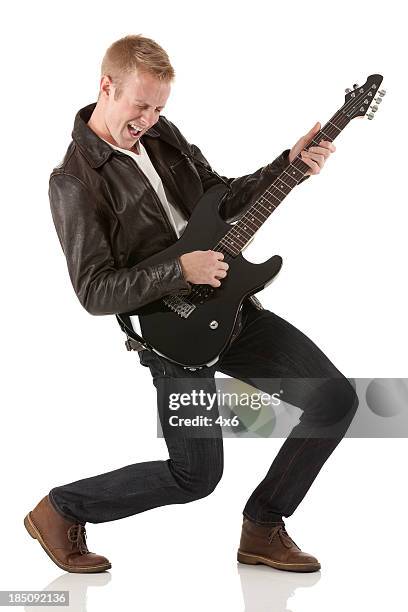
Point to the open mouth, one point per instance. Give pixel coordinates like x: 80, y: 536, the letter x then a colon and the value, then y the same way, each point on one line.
x: 134, y: 132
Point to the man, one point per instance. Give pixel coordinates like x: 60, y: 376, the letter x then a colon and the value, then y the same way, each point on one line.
x: 125, y: 190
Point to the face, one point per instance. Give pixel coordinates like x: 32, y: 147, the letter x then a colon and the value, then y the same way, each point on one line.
x: 142, y: 99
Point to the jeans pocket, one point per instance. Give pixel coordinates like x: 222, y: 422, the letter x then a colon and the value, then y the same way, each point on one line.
x: 142, y: 359
x: 158, y: 365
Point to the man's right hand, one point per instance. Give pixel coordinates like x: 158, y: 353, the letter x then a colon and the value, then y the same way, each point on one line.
x: 204, y: 267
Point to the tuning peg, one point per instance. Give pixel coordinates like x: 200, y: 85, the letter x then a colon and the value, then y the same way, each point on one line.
x: 382, y: 92
x: 348, y: 90
x: 378, y: 100
x: 374, y: 108
x: 370, y: 116
x: 356, y: 85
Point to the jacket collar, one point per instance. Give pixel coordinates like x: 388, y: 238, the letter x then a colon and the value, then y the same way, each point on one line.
x: 96, y: 150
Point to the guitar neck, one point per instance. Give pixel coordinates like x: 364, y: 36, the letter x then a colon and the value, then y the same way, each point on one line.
x: 241, y: 233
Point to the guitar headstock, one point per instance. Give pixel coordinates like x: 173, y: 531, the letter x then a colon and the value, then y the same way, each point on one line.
x: 358, y: 100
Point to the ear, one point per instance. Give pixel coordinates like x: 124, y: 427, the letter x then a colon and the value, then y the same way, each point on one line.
x: 105, y: 84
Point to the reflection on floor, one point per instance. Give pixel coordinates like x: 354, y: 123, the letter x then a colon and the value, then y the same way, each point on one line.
x: 77, y: 585
x: 265, y: 589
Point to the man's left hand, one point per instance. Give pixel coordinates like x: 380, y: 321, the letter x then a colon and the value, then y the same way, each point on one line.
x: 315, y: 156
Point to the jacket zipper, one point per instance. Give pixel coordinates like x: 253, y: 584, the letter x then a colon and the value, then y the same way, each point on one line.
x: 156, y: 197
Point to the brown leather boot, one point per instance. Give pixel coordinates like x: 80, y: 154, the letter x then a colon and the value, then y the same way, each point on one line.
x: 271, y: 545
x: 64, y: 541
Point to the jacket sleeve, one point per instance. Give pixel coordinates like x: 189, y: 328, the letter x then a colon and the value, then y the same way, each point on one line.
x: 244, y: 190
x: 102, y: 287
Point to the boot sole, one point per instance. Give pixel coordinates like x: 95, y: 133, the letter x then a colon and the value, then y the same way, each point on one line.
x: 34, y: 533
x: 251, y: 559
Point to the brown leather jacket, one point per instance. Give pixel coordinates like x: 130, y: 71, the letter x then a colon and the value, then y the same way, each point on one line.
x: 109, y: 218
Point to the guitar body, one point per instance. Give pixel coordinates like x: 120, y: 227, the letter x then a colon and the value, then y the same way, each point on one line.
x: 199, y: 338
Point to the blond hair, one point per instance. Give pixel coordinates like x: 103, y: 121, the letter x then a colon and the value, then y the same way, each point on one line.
x: 135, y: 52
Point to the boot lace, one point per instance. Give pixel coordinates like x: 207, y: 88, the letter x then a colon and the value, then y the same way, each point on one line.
x: 77, y: 535
x: 280, y: 532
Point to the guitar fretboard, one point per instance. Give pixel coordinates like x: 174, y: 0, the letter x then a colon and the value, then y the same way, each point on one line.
x: 241, y: 233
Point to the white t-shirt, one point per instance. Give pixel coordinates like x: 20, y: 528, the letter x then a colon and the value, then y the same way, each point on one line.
x: 177, y: 220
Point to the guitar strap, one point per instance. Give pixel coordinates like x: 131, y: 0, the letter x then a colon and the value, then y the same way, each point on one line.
x: 133, y: 341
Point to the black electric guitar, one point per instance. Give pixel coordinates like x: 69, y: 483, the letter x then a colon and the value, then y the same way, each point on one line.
x: 194, y: 330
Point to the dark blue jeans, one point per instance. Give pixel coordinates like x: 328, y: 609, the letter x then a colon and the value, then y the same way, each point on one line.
x: 266, y: 349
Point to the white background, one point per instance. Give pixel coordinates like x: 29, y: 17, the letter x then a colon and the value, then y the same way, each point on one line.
x: 251, y: 79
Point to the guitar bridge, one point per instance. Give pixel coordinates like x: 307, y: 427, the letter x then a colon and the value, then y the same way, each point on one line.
x: 180, y: 306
